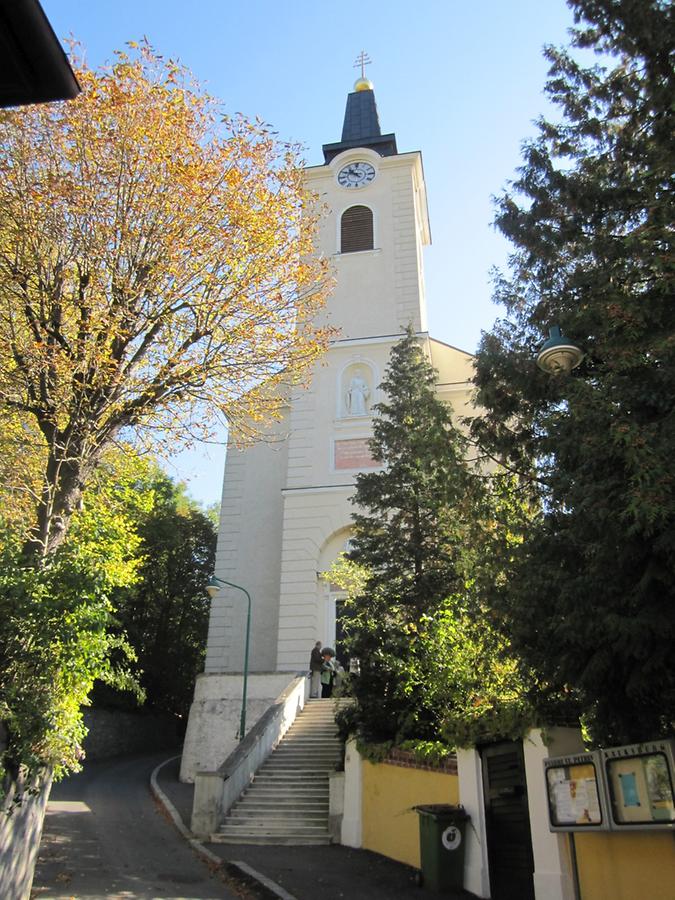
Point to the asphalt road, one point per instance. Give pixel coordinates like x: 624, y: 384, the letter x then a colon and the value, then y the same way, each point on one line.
x: 105, y: 838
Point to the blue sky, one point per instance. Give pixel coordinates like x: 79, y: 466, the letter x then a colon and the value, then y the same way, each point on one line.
x: 462, y: 82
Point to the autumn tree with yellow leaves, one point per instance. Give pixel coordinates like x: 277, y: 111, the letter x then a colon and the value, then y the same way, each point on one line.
x: 156, y: 274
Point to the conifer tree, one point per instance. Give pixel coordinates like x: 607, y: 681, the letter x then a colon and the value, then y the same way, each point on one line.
x: 590, y: 603
x: 409, y: 537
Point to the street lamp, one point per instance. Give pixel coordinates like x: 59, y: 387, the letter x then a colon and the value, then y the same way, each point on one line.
x: 559, y: 355
x: 213, y: 588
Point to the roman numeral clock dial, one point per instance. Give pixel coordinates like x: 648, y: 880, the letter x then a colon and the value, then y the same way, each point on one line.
x: 356, y: 175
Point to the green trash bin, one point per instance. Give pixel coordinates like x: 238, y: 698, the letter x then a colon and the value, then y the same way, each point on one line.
x: 442, y: 830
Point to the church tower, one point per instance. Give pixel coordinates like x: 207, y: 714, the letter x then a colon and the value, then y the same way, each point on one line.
x: 286, y: 508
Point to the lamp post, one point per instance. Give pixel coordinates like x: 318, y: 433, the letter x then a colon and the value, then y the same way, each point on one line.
x: 212, y: 588
x: 559, y: 355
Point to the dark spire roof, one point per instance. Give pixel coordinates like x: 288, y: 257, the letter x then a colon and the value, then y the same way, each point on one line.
x: 361, y: 127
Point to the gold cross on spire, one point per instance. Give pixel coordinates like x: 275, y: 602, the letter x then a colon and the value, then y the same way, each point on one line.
x: 362, y: 60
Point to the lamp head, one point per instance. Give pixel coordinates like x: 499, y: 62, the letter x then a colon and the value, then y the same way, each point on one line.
x: 213, y: 587
x: 559, y: 355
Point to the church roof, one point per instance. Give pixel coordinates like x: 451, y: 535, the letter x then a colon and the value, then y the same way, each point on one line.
x: 361, y: 127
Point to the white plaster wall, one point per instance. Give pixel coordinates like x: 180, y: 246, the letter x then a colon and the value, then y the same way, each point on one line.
x: 310, y: 518
x: 318, y: 416
x: 249, y: 553
x: 455, y: 367
x: 215, y: 713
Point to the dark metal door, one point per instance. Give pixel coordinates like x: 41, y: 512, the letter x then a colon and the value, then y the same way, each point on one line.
x: 507, y: 822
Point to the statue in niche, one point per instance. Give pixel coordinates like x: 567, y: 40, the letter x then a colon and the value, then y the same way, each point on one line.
x: 357, y: 395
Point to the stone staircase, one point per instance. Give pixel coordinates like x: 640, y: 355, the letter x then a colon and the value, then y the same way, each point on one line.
x: 287, y: 801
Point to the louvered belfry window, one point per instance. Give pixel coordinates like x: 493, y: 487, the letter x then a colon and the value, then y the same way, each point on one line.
x: 356, y: 229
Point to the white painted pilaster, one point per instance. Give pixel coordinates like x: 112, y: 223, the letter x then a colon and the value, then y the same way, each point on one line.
x: 476, y: 871
x: 553, y: 878
x: 352, y: 820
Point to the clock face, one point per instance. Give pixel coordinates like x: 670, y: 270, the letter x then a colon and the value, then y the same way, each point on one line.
x: 356, y: 174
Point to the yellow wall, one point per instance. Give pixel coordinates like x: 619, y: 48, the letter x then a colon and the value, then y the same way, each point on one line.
x: 390, y: 825
x: 630, y: 866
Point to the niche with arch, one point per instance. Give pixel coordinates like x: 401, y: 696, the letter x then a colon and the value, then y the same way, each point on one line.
x: 356, y: 390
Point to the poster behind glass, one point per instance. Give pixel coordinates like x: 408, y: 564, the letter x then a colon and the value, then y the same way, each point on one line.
x: 575, y: 794
x: 640, y: 784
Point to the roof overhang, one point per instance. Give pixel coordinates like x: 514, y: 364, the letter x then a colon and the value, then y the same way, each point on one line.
x: 33, y: 65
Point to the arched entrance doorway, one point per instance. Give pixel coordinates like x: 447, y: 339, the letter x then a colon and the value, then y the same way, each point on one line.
x: 332, y: 597
x: 335, y: 622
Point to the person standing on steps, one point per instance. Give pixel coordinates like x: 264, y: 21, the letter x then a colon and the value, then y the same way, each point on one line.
x: 327, y: 673
x: 315, y: 664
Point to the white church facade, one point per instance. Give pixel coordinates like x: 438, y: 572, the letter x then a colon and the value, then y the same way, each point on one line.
x: 286, y: 508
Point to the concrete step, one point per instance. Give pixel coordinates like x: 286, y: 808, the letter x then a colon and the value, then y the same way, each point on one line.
x: 264, y: 801
x: 311, y: 714
x: 309, y: 745
x: 266, y: 817
x: 282, y: 791
x: 278, y: 785
x: 308, y: 766
x: 271, y: 807
x: 283, y: 782
x: 284, y: 796
x: 290, y: 813
x: 305, y: 752
x: 303, y: 747
x: 274, y: 782
x: 310, y: 760
x: 310, y: 775
x: 277, y: 840
x: 272, y: 826
x: 301, y: 754
x: 310, y: 737
x: 308, y: 749
x: 283, y: 770
x: 279, y: 788
x: 305, y: 720
x: 313, y: 729
x: 269, y: 801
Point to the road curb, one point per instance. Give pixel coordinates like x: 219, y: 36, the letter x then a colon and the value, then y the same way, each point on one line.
x: 236, y: 869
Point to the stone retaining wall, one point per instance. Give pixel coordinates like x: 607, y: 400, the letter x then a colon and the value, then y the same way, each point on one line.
x: 115, y: 732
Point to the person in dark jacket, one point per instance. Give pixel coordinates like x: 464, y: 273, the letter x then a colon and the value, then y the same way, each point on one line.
x: 315, y: 664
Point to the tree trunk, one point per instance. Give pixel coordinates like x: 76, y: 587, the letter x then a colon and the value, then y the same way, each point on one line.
x: 64, y: 484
